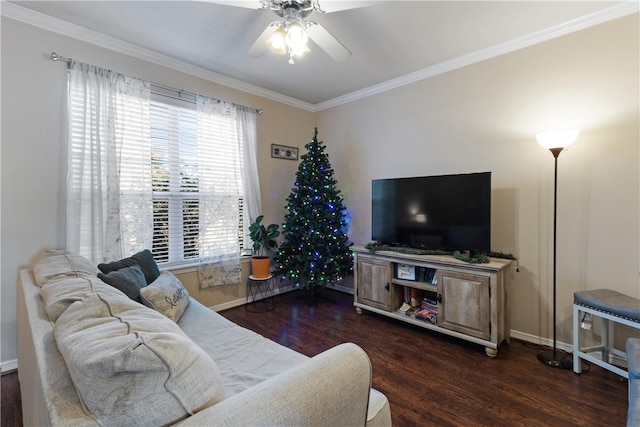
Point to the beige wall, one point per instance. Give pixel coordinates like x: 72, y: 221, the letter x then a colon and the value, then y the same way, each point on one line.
x: 481, y: 117
x: 484, y: 117
x: 33, y: 151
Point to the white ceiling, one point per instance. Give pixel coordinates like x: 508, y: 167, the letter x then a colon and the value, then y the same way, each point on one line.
x: 392, y: 42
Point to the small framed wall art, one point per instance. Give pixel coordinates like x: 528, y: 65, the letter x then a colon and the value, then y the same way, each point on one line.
x: 284, y: 152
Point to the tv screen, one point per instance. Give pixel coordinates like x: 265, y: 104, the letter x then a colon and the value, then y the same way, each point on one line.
x: 443, y: 212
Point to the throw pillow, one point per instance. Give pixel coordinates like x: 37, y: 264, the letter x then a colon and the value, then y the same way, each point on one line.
x: 132, y: 366
x: 143, y: 258
x: 166, y: 295
x: 128, y: 279
x: 51, y: 263
x: 62, y: 291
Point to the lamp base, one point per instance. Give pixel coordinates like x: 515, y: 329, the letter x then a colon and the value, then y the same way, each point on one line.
x: 554, y: 360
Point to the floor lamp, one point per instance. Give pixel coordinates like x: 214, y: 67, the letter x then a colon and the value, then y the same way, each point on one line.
x: 555, y: 141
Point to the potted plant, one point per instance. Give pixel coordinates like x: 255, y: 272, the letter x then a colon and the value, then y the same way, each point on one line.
x: 263, y: 242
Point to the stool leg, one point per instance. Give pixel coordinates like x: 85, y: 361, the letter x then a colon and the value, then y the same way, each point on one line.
x: 577, y: 366
x: 605, y: 340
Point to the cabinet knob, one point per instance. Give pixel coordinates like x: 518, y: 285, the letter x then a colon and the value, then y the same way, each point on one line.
x: 439, y: 298
x: 387, y: 287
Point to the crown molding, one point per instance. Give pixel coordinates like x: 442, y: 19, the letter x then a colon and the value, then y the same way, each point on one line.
x: 49, y: 23
x: 596, y: 18
x: 37, y: 19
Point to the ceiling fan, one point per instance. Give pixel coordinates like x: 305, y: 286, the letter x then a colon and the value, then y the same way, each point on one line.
x: 290, y: 34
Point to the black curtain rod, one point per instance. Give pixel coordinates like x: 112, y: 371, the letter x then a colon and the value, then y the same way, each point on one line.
x: 68, y: 61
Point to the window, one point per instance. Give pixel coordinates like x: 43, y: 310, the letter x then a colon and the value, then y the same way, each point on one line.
x: 178, y: 163
x: 147, y: 169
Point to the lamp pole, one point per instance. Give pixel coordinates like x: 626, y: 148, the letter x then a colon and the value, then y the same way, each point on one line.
x: 555, y: 141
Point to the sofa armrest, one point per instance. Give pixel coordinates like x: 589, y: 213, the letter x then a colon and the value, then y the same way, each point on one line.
x: 330, y: 389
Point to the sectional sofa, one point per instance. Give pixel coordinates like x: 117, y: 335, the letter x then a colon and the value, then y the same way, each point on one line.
x: 92, y: 354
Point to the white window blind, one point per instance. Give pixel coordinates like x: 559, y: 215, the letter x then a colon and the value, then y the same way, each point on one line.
x: 174, y: 166
x: 197, y: 184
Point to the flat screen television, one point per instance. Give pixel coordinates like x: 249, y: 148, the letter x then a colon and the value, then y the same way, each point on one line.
x: 441, y: 212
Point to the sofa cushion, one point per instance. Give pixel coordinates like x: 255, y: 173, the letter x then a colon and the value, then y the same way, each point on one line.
x: 128, y: 279
x: 51, y: 263
x: 244, y: 357
x: 143, y: 258
x: 62, y: 291
x: 166, y: 295
x: 133, y: 366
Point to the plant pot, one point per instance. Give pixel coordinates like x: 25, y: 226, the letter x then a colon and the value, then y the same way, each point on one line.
x: 260, y: 266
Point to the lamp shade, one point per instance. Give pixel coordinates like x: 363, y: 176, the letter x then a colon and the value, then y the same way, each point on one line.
x: 557, y: 138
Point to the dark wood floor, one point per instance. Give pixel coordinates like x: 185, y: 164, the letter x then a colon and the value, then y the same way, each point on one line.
x: 11, y: 409
x: 430, y: 379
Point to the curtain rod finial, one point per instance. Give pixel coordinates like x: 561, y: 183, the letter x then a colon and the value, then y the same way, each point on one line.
x: 55, y: 57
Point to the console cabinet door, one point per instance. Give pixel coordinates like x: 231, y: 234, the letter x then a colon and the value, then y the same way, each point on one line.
x: 374, y: 283
x: 464, y: 304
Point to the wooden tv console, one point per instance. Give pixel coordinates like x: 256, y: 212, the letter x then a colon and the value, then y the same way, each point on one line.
x: 472, y: 299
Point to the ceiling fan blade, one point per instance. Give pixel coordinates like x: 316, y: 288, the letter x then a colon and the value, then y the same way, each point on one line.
x: 338, y: 5
x: 326, y: 5
x: 249, y: 4
x: 260, y: 45
x: 327, y: 42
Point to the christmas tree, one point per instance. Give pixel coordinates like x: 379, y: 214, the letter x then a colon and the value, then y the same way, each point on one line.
x: 315, y: 251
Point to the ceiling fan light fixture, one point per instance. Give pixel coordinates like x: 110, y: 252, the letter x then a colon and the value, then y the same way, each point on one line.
x: 296, y: 37
x: 277, y: 42
x: 291, y: 33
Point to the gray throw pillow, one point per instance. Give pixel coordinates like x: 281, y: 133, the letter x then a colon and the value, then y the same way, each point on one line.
x: 166, y: 295
x: 143, y: 258
x: 128, y: 279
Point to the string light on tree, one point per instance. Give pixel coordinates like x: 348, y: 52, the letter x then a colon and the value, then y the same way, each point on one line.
x: 315, y: 251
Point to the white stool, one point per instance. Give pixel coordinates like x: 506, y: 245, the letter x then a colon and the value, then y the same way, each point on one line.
x: 609, y: 306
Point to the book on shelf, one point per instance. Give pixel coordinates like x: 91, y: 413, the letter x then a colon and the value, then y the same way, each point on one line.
x: 428, y: 311
x: 406, y: 294
x: 432, y: 276
x: 416, y: 297
x: 403, y: 308
x: 406, y: 309
x: 426, y: 315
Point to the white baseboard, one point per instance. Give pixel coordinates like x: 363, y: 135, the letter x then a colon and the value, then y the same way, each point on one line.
x: 615, y: 359
x: 242, y: 301
x: 345, y: 289
x: 541, y: 341
x: 278, y: 291
x: 8, y: 366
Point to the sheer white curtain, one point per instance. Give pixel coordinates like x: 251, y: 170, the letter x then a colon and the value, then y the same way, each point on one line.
x: 227, y: 138
x: 246, y: 125
x: 105, y: 110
